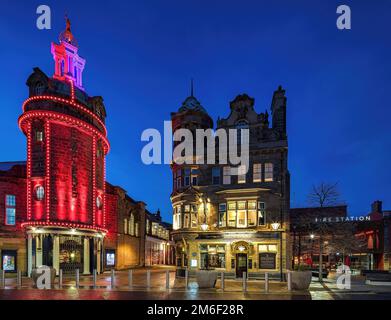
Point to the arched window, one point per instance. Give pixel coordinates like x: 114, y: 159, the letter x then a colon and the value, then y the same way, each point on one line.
x: 99, y: 202
x: 39, y: 193
x: 62, y: 67
x: 39, y: 88
x: 131, y: 224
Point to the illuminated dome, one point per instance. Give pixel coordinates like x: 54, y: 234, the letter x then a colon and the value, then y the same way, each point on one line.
x: 191, y: 103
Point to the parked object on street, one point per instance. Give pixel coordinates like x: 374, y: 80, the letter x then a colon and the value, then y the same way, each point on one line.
x: 206, y: 278
x: 315, y: 273
x: 35, y: 275
x: 378, y: 278
x: 301, y: 278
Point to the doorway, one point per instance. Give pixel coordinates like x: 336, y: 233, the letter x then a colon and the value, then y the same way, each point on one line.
x: 241, y: 264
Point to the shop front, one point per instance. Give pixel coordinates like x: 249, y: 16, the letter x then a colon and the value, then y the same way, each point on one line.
x: 234, y: 257
x: 68, y: 250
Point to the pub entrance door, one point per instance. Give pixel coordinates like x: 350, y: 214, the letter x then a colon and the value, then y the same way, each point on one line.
x: 241, y: 264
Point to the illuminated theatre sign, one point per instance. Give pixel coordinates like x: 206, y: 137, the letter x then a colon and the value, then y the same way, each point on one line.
x: 343, y: 219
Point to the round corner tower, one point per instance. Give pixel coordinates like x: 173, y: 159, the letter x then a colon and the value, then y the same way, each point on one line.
x: 66, y: 148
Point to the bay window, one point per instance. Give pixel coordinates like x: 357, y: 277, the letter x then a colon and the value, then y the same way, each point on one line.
x: 194, y: 222
x: 186, y: 216
x: 222, y: 215
x: 242, y: 214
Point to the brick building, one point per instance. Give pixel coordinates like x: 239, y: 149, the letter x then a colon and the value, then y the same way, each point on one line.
x: 363, y: 242
x: 236, y: 223
x: 57, y: 208
x: 159, y: 248
x: 12, y: 210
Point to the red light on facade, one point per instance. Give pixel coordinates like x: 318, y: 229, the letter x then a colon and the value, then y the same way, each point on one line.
x: 68, y: 102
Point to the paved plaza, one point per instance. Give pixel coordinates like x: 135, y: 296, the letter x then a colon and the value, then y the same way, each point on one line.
x: 139, y: 290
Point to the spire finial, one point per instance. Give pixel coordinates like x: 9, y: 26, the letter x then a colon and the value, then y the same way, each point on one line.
x: 191, y: 87
x: 67, y: 23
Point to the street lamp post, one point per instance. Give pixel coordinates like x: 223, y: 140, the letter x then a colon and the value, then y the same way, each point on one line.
x: 276, y: 227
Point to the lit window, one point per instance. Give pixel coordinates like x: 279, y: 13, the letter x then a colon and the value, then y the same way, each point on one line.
x: 136, y: 229
x: 242, y: 174
x: 252, y: 218
x: 125, y: 226
x: 212, y: 256
x: 148, y: 226
x: 216, y: 175
x: 227, y: 175
x: 186, y: 220
x: 222, y: 215
x: 194, y: 222
x: 242, y: 221
x: 10, y: 210
x: 257, y: 171
x: 39, y: 193
x: 38, y: 136
x: 99, y: 202
x: 131, y: 224
x: 231, y: 218
x: 268, y: 172
x: 267, y: 248
x: 261, y: 214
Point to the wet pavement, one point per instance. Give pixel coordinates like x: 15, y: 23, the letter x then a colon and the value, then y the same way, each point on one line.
x: 139, y: 290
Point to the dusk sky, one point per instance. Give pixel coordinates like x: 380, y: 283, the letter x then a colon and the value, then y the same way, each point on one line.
x: 141, y: 56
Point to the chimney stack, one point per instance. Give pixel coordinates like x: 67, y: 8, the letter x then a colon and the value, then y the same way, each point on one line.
x: 377, y: 206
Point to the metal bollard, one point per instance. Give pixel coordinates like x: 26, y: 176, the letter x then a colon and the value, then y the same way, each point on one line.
x: 94, y: 278
x: 130, y: 278
x: 2, y: 278
x: 222, y: 281
x: 167, y: 279
x: 289, y: 281
x: 148, y: 279
x: 77, y: 278
x: 266, y: 282
x: 186, y: 278
x: 244, y: 281
x: 112, y: 278
x: 60, y: 278
x: 19, y: 279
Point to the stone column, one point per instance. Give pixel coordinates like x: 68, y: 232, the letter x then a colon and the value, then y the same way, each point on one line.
x: 38, y: 251
x: 86, y: 256
x: 98, y: 256
x: 29, y: 254
x: 56, y: 253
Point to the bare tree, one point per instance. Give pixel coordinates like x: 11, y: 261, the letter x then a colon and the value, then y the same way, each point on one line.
x: 322, y: 195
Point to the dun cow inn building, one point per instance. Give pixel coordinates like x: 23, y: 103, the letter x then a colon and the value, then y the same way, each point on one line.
x: 234, y: 223
x: 57, y: 209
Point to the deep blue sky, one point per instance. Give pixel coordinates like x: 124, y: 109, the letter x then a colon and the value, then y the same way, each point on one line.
x: 141, y: 55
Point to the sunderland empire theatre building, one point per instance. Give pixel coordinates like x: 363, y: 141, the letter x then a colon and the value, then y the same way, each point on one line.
x: 234, y: 223
x: 57, y: 209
